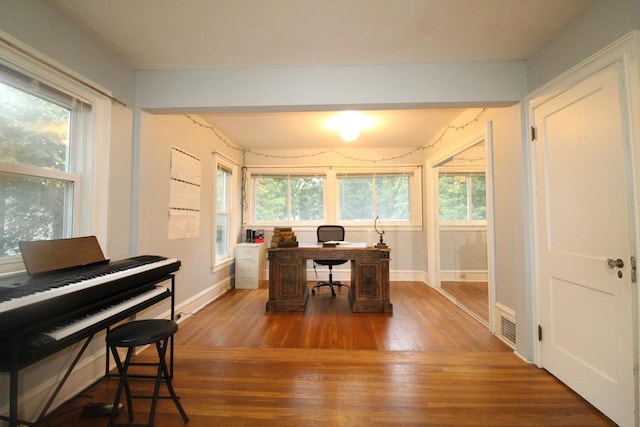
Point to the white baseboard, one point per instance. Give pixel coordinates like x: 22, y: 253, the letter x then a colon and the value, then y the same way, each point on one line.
x: 345, y: 275
x: 197, y: 302
x: 464, y: 275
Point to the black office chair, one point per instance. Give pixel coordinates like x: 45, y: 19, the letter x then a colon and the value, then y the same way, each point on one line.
x: 327, y: 233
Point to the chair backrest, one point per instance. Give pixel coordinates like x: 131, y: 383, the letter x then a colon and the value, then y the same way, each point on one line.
x: 330, y: 232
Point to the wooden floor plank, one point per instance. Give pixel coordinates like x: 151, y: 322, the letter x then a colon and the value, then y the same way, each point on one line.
x: 427, y: 364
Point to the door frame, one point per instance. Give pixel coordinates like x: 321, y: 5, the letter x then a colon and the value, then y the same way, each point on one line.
x: 625, y: 51
x: 433, y: 239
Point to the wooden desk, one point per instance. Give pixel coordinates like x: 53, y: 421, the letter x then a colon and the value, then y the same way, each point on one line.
x: 369, y: 291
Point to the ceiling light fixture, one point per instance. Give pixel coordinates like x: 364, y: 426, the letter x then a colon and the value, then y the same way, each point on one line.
x: 349, y: 135
x: 349, y: 124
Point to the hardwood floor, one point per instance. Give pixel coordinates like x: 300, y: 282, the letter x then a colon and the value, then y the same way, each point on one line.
x: 473, y: 295
x: 427, y: 364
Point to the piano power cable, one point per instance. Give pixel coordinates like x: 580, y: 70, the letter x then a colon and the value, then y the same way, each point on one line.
x: 98, y: 409
x: 56, y: 418
x: 181, y: 315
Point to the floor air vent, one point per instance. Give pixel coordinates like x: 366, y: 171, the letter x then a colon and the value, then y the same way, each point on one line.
x: 508, y: 329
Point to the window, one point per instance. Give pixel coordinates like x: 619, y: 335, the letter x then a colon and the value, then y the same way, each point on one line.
x: 365, y: 197
x: 224, y: 225
x: 323, y: 195
x: 462, y: 196
x: 223, y: 203
x: 54, y: 157
x: 38, y: 136
x: 288, y: 198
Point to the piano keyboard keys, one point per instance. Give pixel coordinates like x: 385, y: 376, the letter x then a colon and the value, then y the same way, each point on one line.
x: 69, y: 286
x: 104, y: 313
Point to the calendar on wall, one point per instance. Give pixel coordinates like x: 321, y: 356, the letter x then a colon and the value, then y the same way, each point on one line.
x: 184, y: 195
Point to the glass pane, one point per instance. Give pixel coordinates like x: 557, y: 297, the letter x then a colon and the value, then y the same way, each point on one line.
x: 452, y: 197
x: 478, y: 197
x: 306, y: 198
x: 271, y: 198
x: 392, y: 197
x: 356, y: 198
x: 32, y: 209
x: 33, y: 131
x: 221, y: 191
x: 222, y: 227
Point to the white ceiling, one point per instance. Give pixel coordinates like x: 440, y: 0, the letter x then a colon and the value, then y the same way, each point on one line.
x: 196, y: 34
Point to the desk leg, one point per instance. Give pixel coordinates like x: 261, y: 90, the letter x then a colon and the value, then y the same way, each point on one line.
x: 369, y: 291
x: 287, y: 285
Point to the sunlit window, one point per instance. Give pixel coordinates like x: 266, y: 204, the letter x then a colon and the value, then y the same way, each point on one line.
x: 288, y: 198
x: 37, y: 138
x: 365, y: 197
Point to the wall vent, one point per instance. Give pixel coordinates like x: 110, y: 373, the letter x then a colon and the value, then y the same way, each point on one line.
x: 508, y: 330
x: 505, y: 324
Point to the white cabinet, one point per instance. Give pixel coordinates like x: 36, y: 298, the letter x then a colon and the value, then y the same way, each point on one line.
x: 250, y: 261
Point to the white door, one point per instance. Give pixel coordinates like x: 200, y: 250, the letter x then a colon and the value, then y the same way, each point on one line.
x: 583, y: 210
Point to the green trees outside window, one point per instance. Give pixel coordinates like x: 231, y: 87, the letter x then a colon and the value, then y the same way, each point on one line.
x: 289, y: 198
x: 35, y: 201
x: 359, y: 197
x: 362, y: 198
x: 223, y: 204
x: 462, y: 197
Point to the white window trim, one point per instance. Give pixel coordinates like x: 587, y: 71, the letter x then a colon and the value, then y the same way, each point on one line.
x: 249, y: 208
x: 462, y: 170
x: 220, y: 263
x: 91, y: 158
x: 415, y: 195
x: 331, y: 202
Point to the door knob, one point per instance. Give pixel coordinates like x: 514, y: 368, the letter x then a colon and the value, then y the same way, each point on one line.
x: 613, y: 263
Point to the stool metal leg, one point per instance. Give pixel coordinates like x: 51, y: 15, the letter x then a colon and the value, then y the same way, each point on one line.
x: 164, y: 372
x: 176, y: 399
x: 156, y: 387
x: 123, y: 383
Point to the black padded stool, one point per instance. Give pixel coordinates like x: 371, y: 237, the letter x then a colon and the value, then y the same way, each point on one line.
x: 131, y: 335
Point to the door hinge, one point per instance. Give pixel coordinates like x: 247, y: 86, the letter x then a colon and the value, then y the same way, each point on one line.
x: 533, y: 133
x: 633, y: 270
x: 539, y: 332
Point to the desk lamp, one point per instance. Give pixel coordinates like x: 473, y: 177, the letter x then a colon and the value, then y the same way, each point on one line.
x: 376, y: 223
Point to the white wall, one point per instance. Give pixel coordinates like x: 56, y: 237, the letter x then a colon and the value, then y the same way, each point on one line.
x: 605, y: 22
x: 509, y: 208
x: 397, y: 86
x: 120, y: 183
x: 37, y: 24
x: 158, y: 133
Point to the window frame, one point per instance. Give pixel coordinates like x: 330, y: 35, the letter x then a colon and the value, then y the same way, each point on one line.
x: 88, y: 146
x: 287, y: 173
x: 331, y: 196
x: 222, y: 162
x: 415, y: 195
x: 466, y: 171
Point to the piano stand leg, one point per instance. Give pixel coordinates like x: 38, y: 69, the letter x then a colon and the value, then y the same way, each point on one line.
x: 13, y: 419
x: 13, y: 398
x: 64, y: 379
